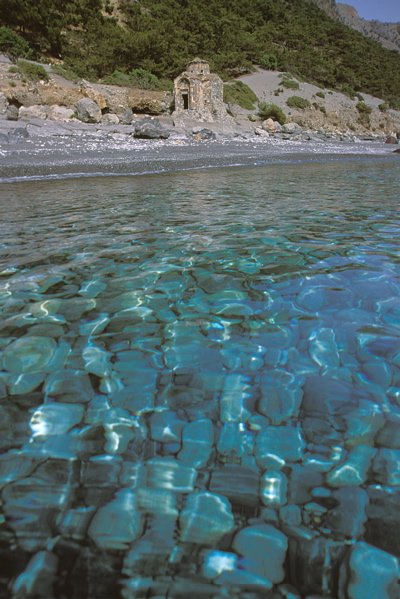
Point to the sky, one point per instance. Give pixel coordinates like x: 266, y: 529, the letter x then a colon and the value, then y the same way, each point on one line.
x: 382, y: 10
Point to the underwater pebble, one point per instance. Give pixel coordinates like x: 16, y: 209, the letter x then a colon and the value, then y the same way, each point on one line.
x: 281, y: 396
x: 55, y: 419
x: 167, y: 473
x: 197, y: 442
x: 279, y: 443
x: 216, y: 562
x: 353, y: 471
x: 118, y: 523
x: 233, y: 398
x: 263, y: 548
x: 166, y: 427
x: 386, y: 466
x: 373, y: 573
x: 69, y: 385
x: 205, y: 518
x: 273, y: 489
x: 238, y: 483
x: 348, y: 517
x: 28, y: 354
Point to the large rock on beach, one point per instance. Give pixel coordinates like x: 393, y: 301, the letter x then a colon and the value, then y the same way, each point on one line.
x: 26, y: 113
x: 88, y: 111
x: 60, y: 113
x: 391, y: 139
x: 291, y: 128
x: 271, y: 126
x: 150, y: 129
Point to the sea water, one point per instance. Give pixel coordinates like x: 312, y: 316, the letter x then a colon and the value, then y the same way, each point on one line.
x: 200, y: 383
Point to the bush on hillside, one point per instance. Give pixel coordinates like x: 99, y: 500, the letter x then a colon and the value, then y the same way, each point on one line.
x: 13, y: 45
x: 290, y: 83
x: 363, y: 108
x: 298, y: 102
x: 241, y: 94
x: 32, y: 71
x: 271, y: 111
x: 269, y: 61
x: 137, y: 78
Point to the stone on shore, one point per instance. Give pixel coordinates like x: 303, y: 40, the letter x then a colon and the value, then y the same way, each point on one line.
x: 60, y: 113
x: 88, y: 111
x: 26, y: 113
x: 148, y: 128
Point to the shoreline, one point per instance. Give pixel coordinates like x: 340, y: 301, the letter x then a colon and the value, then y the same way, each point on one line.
x: 38, y: 151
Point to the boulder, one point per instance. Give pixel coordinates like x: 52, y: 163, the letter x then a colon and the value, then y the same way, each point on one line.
x: 26, y: 113
x: 60, y: 113
x: 3, y: 104
x: 261, y: 132
x: 109, y: 119
x: 126, y: 117
x: 203, y: 134
x: 12, y: 113
x: 150, y: 129
x: 391, y: 139
x: 88, y: 111
x: 291, y: 128
x: 271, y: 126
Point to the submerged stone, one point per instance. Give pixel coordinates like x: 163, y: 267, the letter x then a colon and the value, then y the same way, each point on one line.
x: 197, y: 442
x: 205, y: 519
x: 281, y: 396
x: 353, y: 472
x: 29, y: 354
x: 55, y: 419
x: 273, y: 489
x: 116, y: 525
x: 277, y: 444
x: 217, y: 562
x: 263, y: 548
x: 233, y: 399
x: 239, y: 484
x: 69, y: 385
x: 372, y: 573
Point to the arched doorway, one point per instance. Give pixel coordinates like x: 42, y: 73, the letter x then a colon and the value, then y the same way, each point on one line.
x: 184, y: 94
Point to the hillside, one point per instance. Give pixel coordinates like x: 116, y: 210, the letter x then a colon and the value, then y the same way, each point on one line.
x: 95, y: 38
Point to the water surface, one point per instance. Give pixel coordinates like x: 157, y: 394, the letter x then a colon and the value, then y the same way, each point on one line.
x: 200, y: 383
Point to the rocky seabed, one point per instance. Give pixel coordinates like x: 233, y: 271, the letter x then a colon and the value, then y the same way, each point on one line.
x: 149, y: 450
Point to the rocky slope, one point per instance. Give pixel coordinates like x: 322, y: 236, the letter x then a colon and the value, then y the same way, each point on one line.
x: 59, y: 99
x: 387, y: 34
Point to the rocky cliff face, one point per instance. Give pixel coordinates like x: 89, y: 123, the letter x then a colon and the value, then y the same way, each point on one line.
x: 387, y: 34
x: 328, y: 6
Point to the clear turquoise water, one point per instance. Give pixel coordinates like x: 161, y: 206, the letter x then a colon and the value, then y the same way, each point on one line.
x: 200, y: 383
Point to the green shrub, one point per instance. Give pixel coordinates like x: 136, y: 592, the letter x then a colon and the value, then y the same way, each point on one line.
x: 320, y: 95
x: 13, y: 45
x: 138, y: 78
x: 290, y: 83
x: 298, y: 102
x: 394, y: 103
x: 384, y: 107
x: 32, y: 71
x: 241, y: 94
x: 363, y: 108
x: 271, y: 111
x: 269, y: 61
